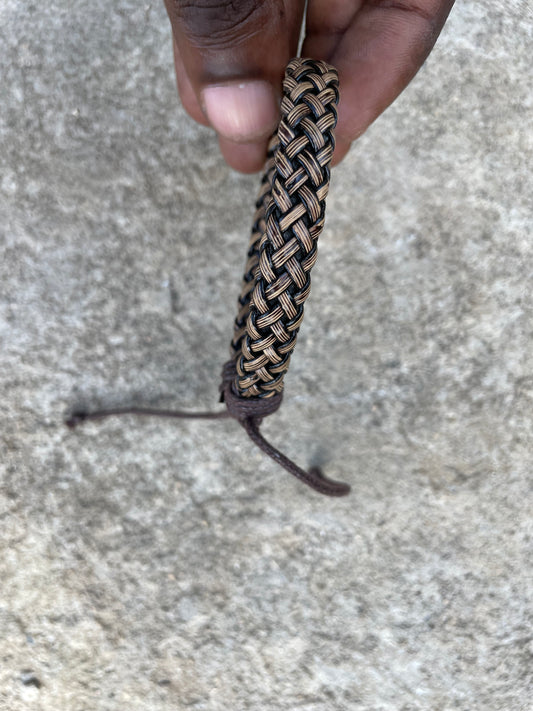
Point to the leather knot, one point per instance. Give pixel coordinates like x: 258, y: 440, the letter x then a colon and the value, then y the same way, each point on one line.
x: 243, y: 408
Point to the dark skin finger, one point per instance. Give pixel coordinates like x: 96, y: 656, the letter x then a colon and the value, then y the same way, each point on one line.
x: 377, y: 47
x: 230, y: 59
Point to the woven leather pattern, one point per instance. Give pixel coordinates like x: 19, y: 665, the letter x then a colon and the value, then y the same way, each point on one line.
x: 288, y: 221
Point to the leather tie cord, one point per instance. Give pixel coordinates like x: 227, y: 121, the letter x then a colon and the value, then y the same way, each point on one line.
x: 289, y: 218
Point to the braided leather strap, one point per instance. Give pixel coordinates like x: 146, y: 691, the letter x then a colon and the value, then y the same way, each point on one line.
x: 287, y: 224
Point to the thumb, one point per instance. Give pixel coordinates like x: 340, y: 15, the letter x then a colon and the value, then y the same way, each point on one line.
x: 230, y: 58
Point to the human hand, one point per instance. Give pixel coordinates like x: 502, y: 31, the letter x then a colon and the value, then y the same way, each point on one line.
x: 230, y: 57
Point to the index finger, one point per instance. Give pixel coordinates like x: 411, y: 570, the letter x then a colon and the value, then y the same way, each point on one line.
x: 377, y: 47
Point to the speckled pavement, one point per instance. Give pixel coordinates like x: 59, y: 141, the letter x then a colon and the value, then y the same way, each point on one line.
x: 157, y: 565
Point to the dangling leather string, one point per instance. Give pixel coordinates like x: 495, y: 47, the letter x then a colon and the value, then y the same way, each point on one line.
x: 77, y: 417
x: 249, y: 413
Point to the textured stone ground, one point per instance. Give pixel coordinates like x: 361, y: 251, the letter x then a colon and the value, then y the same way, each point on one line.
x: 159, y: 565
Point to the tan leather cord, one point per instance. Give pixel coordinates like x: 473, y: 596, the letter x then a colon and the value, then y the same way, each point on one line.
x: 288, y: 221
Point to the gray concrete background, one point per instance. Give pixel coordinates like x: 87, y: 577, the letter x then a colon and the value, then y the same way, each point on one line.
x: 158, y: 565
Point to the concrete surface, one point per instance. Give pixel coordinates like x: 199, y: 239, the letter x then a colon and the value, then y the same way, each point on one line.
x: 159, y: 565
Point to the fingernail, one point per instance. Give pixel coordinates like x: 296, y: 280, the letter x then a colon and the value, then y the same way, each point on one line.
x: 241, y: 112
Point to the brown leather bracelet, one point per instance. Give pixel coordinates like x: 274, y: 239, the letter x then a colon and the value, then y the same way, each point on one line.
x: 288, y: 221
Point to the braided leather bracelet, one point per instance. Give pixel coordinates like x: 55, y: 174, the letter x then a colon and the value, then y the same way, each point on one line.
x: 283, y: 248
